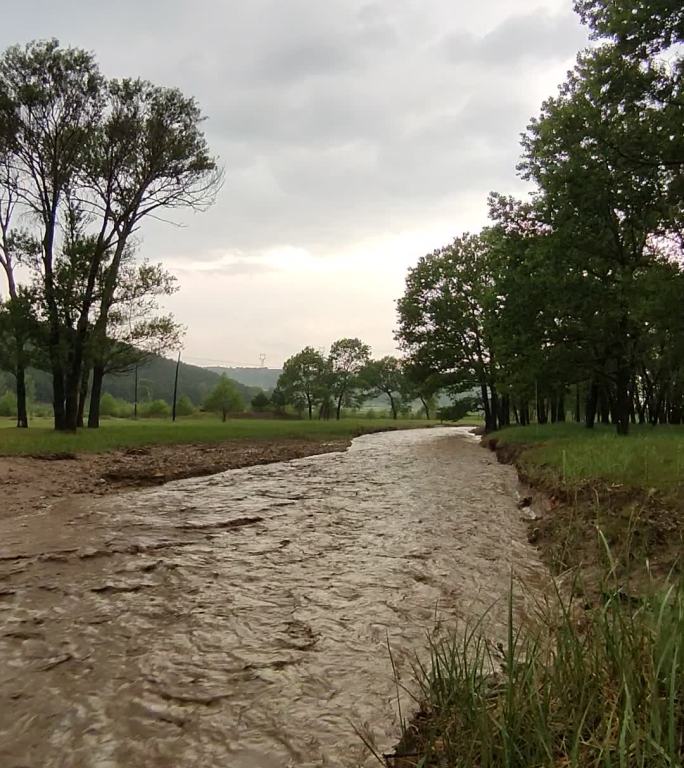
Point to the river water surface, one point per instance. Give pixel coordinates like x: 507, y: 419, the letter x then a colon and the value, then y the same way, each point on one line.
x: 242, y: 620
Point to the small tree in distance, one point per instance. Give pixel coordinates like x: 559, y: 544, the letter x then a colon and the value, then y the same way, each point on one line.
x: 224, y: 398
x: 260, y: 402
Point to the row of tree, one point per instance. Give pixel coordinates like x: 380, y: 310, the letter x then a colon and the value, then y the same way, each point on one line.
x: 83, y: 162
x: 323, y: 385
x: 578, y: 292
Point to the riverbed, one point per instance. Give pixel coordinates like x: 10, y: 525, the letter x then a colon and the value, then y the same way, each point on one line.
x: 243, y: 619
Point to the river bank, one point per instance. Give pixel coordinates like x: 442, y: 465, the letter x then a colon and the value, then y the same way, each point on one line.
x: 582, y: 482
x: 39, y: 467
x: 36, y: 483
x: 596, y: 679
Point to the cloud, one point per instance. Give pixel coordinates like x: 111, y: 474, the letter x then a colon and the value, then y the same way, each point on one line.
x: 340, y: 124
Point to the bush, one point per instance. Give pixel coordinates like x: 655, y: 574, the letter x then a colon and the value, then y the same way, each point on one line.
x: 114, y: 406
x: 155, y: 409
x: 8, y: 404
x: 185, y: 406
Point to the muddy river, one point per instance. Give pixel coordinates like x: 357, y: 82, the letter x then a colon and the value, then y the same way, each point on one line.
x: 242, y: 620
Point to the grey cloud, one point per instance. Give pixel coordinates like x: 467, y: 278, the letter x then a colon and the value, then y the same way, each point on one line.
x: 535, y: 36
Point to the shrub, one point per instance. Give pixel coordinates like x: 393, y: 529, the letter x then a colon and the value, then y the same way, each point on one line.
x: 155, y: 409
x: 113, y: 406
x: 185, y: 406
x: 8, y: 404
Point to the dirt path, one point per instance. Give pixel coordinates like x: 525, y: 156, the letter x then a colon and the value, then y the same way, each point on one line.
x: 30, y: 484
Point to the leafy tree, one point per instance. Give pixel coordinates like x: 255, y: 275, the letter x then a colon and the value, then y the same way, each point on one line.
x: 185, y: 406
x: 224, y: 398
x: 260, y: 402
x: 606, y: 166
x: 385, y: 376
x: 346, y: 361
x: 446, y: 317
x: 136, y: 330
x: 420, y: 384
x: 303, y: 380
x: 91, y: 159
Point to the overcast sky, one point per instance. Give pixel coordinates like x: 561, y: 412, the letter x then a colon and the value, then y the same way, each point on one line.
x: 356, y: 136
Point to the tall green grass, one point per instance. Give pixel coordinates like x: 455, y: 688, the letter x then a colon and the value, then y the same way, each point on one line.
x: 570, y: 454
x: 584, y: 689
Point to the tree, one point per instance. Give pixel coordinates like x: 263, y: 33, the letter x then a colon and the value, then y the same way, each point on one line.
x: 224, y: 398
x: 260, y: 402
x: 420, y: 384
x: 346, y: 360
x: 91, y: 160
x: 136, y: 331
x: 303, y: 380
x: 446, y: 318
x: 385, y: 376
x: 606, y: 156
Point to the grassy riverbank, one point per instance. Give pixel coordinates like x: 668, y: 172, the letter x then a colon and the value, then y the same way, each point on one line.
x: 571, y: 456
x: 595, y: 680
x: 123, y: 433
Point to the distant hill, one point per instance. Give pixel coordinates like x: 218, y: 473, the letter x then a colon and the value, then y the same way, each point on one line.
x: 265, y: 378
x: 155, y: 382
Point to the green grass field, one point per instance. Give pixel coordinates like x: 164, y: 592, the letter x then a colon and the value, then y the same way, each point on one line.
x: 649, y: 457
x: 123, y: 433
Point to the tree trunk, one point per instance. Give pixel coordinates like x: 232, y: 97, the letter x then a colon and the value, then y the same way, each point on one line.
x: 560, y: 407
x: 542, y: 413
x: 485, y: 406
x: 591, y: 405
x: 578, y: 410
x: 621, y: 405
x: 83, y: 394
x: 426, y: 408
x: 22, y: 410
x: 96, y: 397
x: 392, y: 406
x: 310, y: 404
x: 338, y: 410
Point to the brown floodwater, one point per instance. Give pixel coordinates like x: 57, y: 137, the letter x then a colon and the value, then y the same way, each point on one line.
x: 243, y: 619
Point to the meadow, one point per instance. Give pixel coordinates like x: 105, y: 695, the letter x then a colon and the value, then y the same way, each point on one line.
x: 570, y: 455
x: 126, y: 433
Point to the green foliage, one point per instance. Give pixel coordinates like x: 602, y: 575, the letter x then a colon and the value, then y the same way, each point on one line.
x: 458, y: 409
x: 346, y: 361
x: 154, y: 409
x: 385, y: 376
x: 303, y: 382
x: 224, y: 398
x: 185, y: 406
x: 260, y: 402
x: 116, y: 407
x: 8, y: 404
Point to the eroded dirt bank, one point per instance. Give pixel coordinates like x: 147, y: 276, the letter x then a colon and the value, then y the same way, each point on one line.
x: 243, y: 619
x: 38, y: 482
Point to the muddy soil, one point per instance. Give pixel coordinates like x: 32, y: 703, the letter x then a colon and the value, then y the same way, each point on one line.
x: 243, y: 619
x: 37, y: 482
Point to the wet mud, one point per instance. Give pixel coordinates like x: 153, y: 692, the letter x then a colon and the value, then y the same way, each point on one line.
x: 243, y: 619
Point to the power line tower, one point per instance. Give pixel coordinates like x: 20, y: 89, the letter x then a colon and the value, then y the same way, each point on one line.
x: 262, y: 359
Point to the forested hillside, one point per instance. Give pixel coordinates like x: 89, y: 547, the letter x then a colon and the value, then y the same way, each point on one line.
x: 155, y: 382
